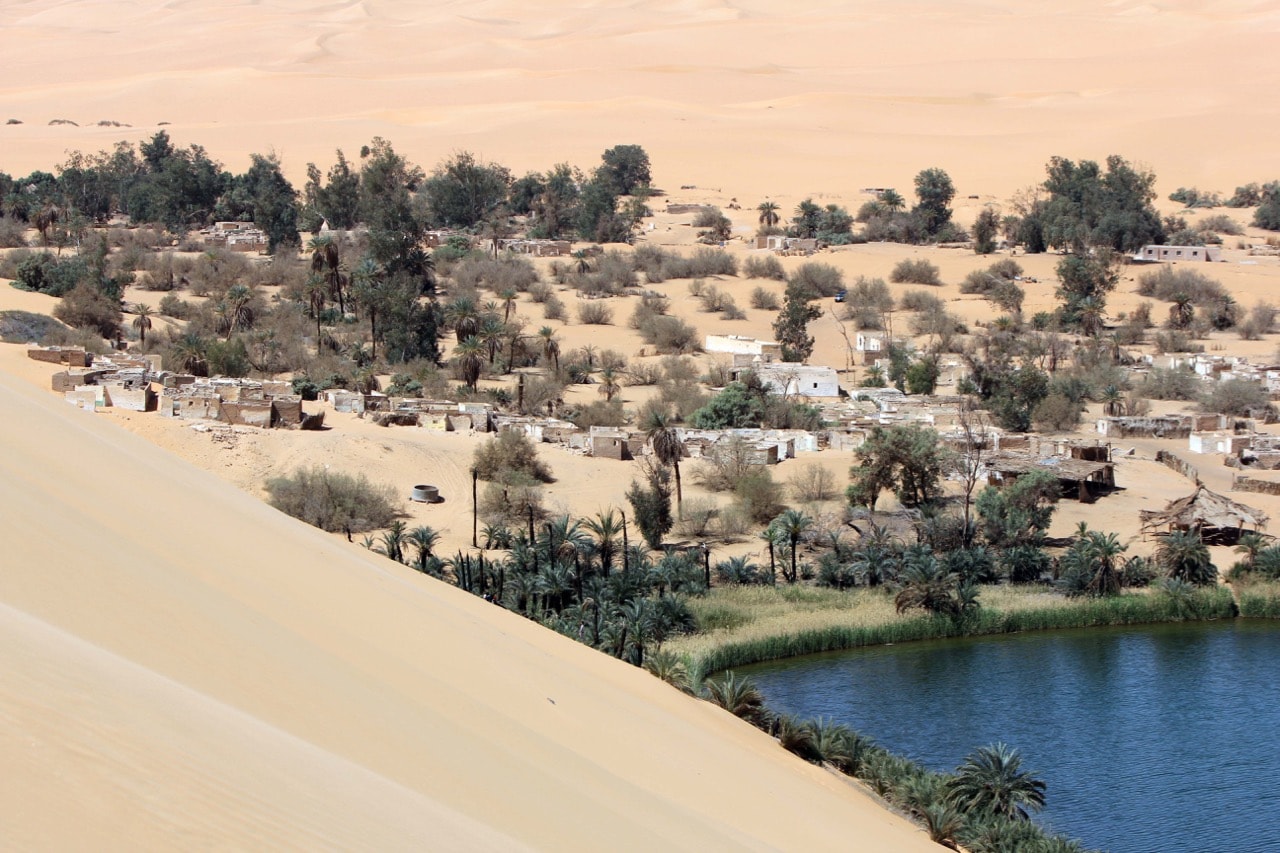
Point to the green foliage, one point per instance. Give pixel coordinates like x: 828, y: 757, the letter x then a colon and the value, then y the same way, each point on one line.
x: 1171, y: 383
x: 463, y: 191
x: 43, y: 273
x: 1089, y: 207
x: 625, y: 169
x: 332, y: 501
x: 814, y: 279
x: 733, y: 408
x: 651, y: 504
x: 1020, y: 512
x: 738, y: 696
x: 919, y: 271
x: 1084, y: 283
x: 991, y: 780
x: 1241, y: 398
x: 757, y: 495
x: 922, y: 376
x: 1183, y: 556
x: 985, y: 230
x: 510, y: 451
x: 791, y: 325
x: 934, y: 192
x: 272, y: 200
x: 1057, y: 413
x: 1268, y: 213
x: 906, y: 458
x: 87, y: 307
x: 336, y: 201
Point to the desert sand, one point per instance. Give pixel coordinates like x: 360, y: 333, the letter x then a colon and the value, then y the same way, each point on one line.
x: 187, y: 667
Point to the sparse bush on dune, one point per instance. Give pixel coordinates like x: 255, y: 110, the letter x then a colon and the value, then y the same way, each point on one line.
x: 817, y: 279
x: 766, y: 267
x: 333, y: 501
x: 764, y: 300
x: 919, y: 271
x: 595, y: 314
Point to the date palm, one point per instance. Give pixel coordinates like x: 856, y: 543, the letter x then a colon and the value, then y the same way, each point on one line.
x: 424, y: 540
x: 793, y: 524
x: 550, y: 346
x: 491, y: 333
x: 470, y: 355
x: 142, y: 322
x: 1184, y: 557
x: 769, y: 215
x: 610, y: 383
x: 668, y: 447
x: 738, y: 696
x: 326, y: 263
x: 992, y: 780
x: 606, y: 527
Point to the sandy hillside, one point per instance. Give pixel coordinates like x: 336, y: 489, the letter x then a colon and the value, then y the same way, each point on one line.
x: 808, y: 97
x: 185, y: 665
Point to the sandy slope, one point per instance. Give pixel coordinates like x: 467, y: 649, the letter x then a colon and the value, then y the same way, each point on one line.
x: 185, y: 666
x: 808, y: 96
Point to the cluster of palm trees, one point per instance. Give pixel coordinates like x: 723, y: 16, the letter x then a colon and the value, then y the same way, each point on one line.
x: 985, y: 805
x: 580, y: 577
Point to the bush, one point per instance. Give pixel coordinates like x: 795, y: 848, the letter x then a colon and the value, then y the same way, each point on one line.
x: 766, y: 267
x: 332, y: 501
x: 869, y: 300
x: 764, y: 300
x: 669, y: 334
x: 915, y: 272
x: 921, y: 300
x: 813, y: 483
x: 553, y: 309
x: 1220, y: 223
x: 172, y: 306
x: 87, y: 307
x: 1262, y: 318
x: 1167, y: 283
x: 1171, y: 383
x: 817, y: 279
x: 1056, y: 413
x: 1237, y: 397
x: 22, y: 327
x: 758, y: 496
x: 1175, y: 341
x: 13, y: 233
x: 595, y: 314
x: 511, y: 499
x: 510, y: 451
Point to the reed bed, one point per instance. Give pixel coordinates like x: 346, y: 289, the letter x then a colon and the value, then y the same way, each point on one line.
x: 751, y: 625
x: 1260, y: 600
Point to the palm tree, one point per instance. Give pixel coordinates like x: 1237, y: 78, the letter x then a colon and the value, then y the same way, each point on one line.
x: 738, y: 696
x: 491, y: 333
x: 893, y: 200
x: 1184, y: 557
x: 470, y: 360
x: 317, y: 295
x: 1250, y: 544
x: 992, y: 780
x: 461, y: 314
x: 774, y: 538
x: 668, y: 447
x: 584, y: 262
x: 927, y: 584
x: 606, y: 527
x: 424, y: 539
x: 326, y: 263
x: 550, y: 346
x: 769, y: 215
x: 508, y: 296
x: 1091, y: 315
x: 1182, y: 312
x: 142, y: 322
x: 393, y: 541
x: 669, y: 667
x: 366, y: 281
x: 793, y: 523
x: 1102, y: 551
x: 235, y: 307
x: 1113, y: 401
x: 188, y: 353
x: 610, y: 383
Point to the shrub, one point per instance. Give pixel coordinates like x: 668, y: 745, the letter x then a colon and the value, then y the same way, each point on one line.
x: 726, y: 467
x: 1171, y: 383
x: 670, y: 335
x: 13, y: 233
x: 87, y: 307
x: 915, y: 272
x: 764, y: 300
x: 1222, y: 224
x: 817, y: 279
x: 869, y: 300
x: 1175, y: 340
x: 695, y: 522
x: 1262, y: 318
x: 553, y: 309
x: 813, y: 483
x: 1237, y: 397
x: 766, y: 267
x: 172, y: 306
x: 595, y: 314
x: 1056, y: 413
x: 1168, y: 282
x: 333, y: 501
x: 21, y: 327
x: 921, y: 300
x: 758, y: 496
x: 540, y: 292
x: 510, y: 451
x: 511, y: 499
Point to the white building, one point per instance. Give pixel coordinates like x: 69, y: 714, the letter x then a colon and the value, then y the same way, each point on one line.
x: 803, y: 380
x: 741, y: 345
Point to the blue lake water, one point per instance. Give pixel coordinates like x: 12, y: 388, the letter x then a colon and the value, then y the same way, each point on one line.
x: 1153, y: 738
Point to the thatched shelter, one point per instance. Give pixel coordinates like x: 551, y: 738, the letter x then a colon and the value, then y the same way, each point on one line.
x: 1213, y: 516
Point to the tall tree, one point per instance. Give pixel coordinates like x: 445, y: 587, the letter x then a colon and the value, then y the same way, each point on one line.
x: 274, y: 202
x: 768, y: 214
x: 791, y: 327
x: 667, y: 447
x: 625, y: 168
x: 992, y: 780
x: 1088, y: 207
x: 934, y: 192
x: 463, y: 191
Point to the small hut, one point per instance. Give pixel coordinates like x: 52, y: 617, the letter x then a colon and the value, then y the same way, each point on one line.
x: 1216, y: 518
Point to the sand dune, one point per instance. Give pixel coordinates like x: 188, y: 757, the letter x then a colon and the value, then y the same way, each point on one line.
x: 185, y: 666
x: 746, y: 94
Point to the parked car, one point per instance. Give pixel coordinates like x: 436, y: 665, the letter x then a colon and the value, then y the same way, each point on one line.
x: 841, y: 294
